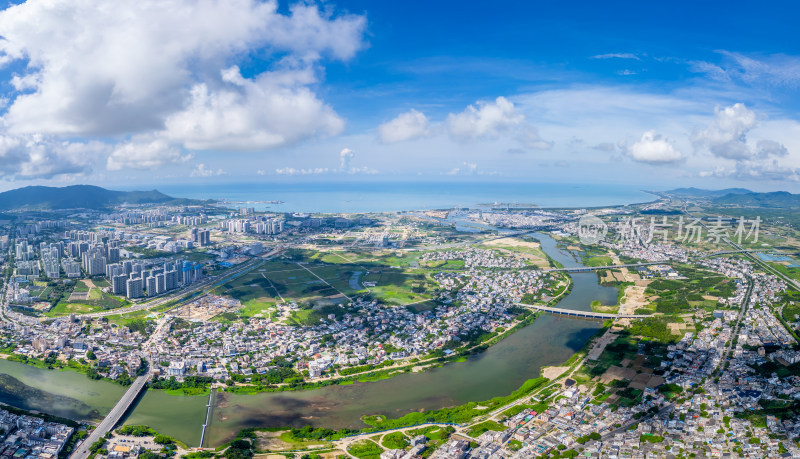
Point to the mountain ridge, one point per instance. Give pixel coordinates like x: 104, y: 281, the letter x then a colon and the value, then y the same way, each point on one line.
x: 79, y: 197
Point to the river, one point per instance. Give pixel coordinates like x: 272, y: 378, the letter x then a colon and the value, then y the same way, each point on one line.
x: 550, y: 340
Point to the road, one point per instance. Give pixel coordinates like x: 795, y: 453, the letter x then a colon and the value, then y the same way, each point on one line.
x: 742, y: 311
x: 112, y: 418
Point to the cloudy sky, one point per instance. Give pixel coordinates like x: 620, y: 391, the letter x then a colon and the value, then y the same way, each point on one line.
x: 142, y: 92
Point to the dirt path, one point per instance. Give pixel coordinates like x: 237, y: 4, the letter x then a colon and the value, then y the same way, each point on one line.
x: 553, y: 372
x: 599, y: 345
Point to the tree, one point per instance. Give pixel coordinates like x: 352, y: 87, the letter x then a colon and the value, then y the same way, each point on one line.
x: 163, y: 440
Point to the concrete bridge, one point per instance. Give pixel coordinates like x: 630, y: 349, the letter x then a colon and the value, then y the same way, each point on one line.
x: 595, y: 268
x: 585, y: 314
x: 112, y: 418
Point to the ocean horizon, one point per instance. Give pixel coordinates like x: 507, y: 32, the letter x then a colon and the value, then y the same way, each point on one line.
x: 356, y: 197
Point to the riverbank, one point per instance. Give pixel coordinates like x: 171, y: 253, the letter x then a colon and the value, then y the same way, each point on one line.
x: 458, y: 355
x: 503, y: 367
x: 534, y: 394
x: 70, y: 365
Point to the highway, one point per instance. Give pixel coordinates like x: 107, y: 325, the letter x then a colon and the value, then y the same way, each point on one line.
x: 112, y: 418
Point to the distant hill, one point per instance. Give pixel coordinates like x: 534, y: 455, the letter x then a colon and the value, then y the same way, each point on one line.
x: 776, y: 199
x: 701, y: 193
x: 78, y: 196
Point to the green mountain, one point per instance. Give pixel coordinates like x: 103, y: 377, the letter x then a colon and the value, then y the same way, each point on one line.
x: 79, y: 196
x: 776, y: 199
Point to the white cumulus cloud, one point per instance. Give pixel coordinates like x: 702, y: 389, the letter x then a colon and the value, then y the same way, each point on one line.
x: 245, y: 114
x: 727, y: 136
x: 39, y: 157
x: 488, y: 119
x: 309, y: 171
x: 410, y: 125
x: 654, y: 149
x: 201, y: 170
x: 344, y: 159
x: 95, y: 69
x: 144, y: 154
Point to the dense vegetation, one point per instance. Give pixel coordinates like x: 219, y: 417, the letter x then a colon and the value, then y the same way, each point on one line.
x: 678, y: 296
x: 457, y: 414
x: 654, y: 327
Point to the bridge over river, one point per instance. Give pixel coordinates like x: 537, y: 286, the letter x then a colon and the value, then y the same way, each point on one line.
x: 112, y: 418
x: 595, y: 268
x: 586, y: 314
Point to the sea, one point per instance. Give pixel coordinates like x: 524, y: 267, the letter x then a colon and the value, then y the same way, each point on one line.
x: 394, y: 196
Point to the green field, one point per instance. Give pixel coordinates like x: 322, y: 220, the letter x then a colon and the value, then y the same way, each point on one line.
x: 319, y: 284
x: 255, y: 308
x: 101, y: 283
x: 676, y: 296
x: 291, y: 281
x: 479, y: 429
x: 793, y: 273
x: 98, y: 301
x: 64, y: 308
x: 598, y: 261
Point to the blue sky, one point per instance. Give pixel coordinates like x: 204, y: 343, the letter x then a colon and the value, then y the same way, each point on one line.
x: 180, y: 91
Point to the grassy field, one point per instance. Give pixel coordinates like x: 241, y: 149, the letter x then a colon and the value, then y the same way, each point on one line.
x: 399, y: 287
x: 793, y: 273
x: 598, y: 261
x: 256, y: 308
x: 122, y: 320
x: 101, y: 283
x: 478, y: 429
x: 321, y: 283
x: 365, y: 449
x: 276, y: 280
x: 64, y: 308
x: 98, y: 301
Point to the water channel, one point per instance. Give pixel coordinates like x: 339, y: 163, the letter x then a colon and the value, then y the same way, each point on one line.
x: 550, y: 340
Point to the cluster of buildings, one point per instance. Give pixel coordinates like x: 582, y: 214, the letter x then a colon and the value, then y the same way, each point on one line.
x: 24, y: 436
x: 115, y: 349
x: 532, y: 219
x: 361, y: 336
x: 653, y: 252
x: 715, y: 379
x: 102, y: 253
x: 362, y: 332
x: 136, y: 279
x: 256, y: 225
x: 476, y: 258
